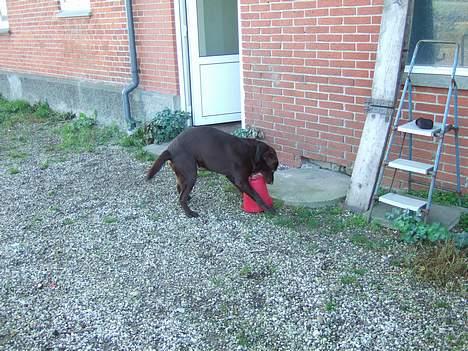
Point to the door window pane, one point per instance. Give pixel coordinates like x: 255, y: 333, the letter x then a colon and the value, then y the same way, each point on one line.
x: 3, y: 15
x: 440, y: 20
x: 217, y: 27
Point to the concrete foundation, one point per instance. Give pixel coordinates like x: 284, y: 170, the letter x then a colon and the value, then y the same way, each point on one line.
x: 70, y: 95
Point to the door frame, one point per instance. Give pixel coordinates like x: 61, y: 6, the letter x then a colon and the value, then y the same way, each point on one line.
x: 183, y: 58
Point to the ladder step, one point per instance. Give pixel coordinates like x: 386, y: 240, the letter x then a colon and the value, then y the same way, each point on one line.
x: 401, y: 201
x: 411, y: 166
x: 412, y: 128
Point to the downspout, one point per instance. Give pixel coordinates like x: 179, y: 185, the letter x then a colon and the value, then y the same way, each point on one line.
x: 133, y: 63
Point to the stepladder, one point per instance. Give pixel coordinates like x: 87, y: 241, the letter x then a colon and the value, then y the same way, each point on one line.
x: 399, y: 151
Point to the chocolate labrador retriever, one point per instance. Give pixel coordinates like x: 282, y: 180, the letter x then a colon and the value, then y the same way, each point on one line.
x: 210, y: 148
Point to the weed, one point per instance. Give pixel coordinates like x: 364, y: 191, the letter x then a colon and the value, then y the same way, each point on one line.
x: 243, y: 339
x: 68, y: 221
x: 330, y: 305
x: 363, y: 241
x: 15, y: 106
x: 348, y: 279
x: 42, y: 110
x: 44, y: 165
x: 297, y: 218
x: 202, y: 173
x: 144, y: 156
x: 15, y: 154
x: 134, y: 140
x: 458, y: 342
x: 246, y: 271
x: 109, y: 220
x: 54, y: 209
x: 443, y: 264
x: 13, y: 170
x: 441, y: 304
x: 359, y: 271
x: 217, y: 281
x: 278, y: 204
x: 230, y: 188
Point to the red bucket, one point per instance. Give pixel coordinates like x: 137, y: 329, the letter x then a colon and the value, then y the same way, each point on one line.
x: 257, y: 182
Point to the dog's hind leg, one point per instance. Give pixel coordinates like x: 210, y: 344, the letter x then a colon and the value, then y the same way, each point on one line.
x: 186, y: 178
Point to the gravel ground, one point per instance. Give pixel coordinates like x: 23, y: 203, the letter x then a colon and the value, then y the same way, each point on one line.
x: 93, y: 257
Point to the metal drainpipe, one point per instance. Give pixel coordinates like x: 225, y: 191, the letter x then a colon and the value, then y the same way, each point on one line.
x: 133, y: 63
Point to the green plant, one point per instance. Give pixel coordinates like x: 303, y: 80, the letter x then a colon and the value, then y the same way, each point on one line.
x: 413, y: 229
x: 248, y: 132
x: 443, y: 197
x: 13, y: 170
x: 348, y: 279
x: 245, y: 271
x: 109, y: 219
x: 17, y: 154
x: 12, y: 112
x: 165, y: 126
x: 44, y: 165
x: 463, y: 222
x: 359, y: 271
x: 330, y: 305
x: 42, y: 110
x: 14, y: 106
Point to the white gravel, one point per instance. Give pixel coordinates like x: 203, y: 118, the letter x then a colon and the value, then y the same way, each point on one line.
x: 93, y: 257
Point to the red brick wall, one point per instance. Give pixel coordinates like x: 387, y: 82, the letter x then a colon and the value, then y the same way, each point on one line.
x: 308, y: 68
x: 95, y: 47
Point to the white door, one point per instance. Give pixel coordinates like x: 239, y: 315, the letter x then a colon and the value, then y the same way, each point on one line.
x: 214, y: 61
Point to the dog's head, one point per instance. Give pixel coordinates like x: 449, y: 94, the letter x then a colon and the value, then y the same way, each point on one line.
x: 266, y: 161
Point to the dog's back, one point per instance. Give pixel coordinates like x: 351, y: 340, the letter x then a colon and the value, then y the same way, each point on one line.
x: 211, y: 148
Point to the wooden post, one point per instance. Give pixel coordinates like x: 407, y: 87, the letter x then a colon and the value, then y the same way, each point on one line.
x: 385, y: 86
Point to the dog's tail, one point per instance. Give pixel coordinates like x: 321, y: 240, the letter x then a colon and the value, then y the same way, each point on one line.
x: 157, y: 165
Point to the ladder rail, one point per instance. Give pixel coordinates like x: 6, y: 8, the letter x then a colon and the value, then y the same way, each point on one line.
x: 457, y: 143
x: 444, y: 129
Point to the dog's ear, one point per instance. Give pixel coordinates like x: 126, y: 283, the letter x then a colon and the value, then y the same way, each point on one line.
x: 260, y: 150
x: 271, y: 159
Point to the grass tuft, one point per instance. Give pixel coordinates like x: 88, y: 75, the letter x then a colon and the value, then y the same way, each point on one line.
x: 443, y: 264
x: 82, y: 134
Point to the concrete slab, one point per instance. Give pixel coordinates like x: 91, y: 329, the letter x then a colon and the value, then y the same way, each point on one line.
x: 309, y: 187
x: 448, y: 216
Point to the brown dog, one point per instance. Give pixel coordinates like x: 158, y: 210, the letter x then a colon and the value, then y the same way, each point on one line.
x: 210, y: 148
